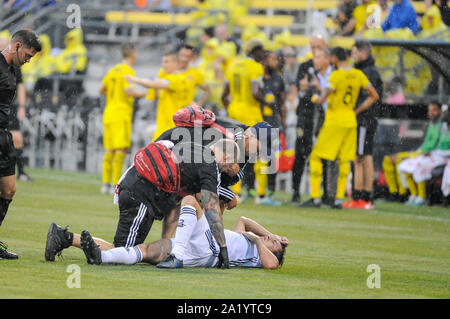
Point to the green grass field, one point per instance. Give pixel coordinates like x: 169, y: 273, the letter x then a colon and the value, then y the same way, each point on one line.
x: 328, y: 256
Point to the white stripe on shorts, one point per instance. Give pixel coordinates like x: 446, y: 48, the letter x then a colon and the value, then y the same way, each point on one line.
x: 361, y: 140
x: 135, y: 226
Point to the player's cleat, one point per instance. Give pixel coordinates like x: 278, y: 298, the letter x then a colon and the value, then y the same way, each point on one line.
x: 311, y: 203
x: 105, y: 189
x: 411, y: 200
x: 57, y: 240
x: 296, y: 198
x: 419, y: 201
x: 350, y: 204
x: 269, y: 202
x: 24, y: 177
x: 90, y: 248
x: 5, y: 254
x: 170, y: 262
x: 337, y: 204
x: 369, y: 206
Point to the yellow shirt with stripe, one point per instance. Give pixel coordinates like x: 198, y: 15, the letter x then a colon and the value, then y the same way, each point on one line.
x: 243, y: 106
x: 170, y: 100
x: 346, y: 84
x: 119, y: 106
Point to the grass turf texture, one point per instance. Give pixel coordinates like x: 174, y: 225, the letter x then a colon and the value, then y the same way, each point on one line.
x: 328, y: 256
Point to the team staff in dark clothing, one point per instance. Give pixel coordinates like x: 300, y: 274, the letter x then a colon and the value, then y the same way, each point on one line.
x: 274, y: 114
x: 23, y: 46
x: 367, y: 126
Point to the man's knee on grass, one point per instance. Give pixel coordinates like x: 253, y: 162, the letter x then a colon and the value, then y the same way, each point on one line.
x: 156, y: 252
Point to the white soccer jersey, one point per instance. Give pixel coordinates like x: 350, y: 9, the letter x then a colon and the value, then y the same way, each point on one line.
x: 203, y: 250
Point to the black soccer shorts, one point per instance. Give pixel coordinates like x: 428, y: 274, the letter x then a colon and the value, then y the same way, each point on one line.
x: 8, y: 154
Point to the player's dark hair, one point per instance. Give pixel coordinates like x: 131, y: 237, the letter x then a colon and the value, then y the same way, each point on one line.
x: 173, y: 53
x: 127, y: 49
x: 364, y: 45
x: 339, y: 53
x: 187, y: 47
x: 28, y: 38
x: 209, y: 31
x: 280, y: 254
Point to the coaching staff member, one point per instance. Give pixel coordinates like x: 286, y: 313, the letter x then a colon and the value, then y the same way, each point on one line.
x: 23, y: 46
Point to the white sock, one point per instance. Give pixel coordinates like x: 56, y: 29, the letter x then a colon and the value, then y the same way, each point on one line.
x: 122, y: 255
x: 186, y: 225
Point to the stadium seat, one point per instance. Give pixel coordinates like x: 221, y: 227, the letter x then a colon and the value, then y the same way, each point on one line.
x: 293, y: 4
x: 148, y: 18
x: 263, y: 20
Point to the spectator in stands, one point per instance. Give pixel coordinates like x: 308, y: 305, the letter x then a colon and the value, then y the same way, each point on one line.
x: 385, y: 8
x: 305, y: 115
x: 445, y: 11
x: 70, y: 62
x: 402, y: 15
x: 391, y: 162
x: 291, y: 65
x: 419, y: 170
x: 431, y: 20
x: 358, y: 22
x: 161, y: 5
x: 344, y: 16
x: 363, y: 176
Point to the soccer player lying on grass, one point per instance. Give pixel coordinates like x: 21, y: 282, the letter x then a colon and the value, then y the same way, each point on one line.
x: 149, y: 191
x: 249, y: 245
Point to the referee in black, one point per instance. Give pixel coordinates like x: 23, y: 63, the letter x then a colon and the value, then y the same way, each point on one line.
x: 23, y: 46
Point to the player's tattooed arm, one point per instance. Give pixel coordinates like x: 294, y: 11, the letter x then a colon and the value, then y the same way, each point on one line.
x: 213, y: 215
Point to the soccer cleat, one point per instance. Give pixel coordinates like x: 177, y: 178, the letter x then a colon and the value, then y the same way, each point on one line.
x: 296, y: 198
x: 105, y: 189
x: 411, y: 200
x: 57, y: 240
x: 5, y: 254
x: 350, y: 204
x: 369, y: 206
x: 269, y: 202
x: 90, y: 248
x: 170, y: 262
x: 360, y: 204
x: 337, y: 204
x: 24, y: 177
x: 310, y: 203
x: 419, y: 201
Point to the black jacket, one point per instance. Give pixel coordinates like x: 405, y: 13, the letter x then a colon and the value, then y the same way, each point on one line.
x: 369, y: 117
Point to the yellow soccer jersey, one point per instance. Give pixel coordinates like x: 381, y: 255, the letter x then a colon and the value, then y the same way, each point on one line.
x: 240, y: 75
x: 346, y: 84
x: 171, y: 100
x: 195, y: 78
x: 118, y: 104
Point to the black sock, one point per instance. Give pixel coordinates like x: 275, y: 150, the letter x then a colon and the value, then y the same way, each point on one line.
x: 365, y: 196
x: 356, y: 195
x: 20, y: 164
x: 4, y: 205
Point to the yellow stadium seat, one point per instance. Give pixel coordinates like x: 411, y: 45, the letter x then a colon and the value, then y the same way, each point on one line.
x: 293, y: 4
x: 299, y: 40
x: 266, y: 21
x: 345, y: 42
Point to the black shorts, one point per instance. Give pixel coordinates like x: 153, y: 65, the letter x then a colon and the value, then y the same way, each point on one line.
x: 8, y: 154
x: 366, y: 135
x: 13, y: 121
x: 137, y: 215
